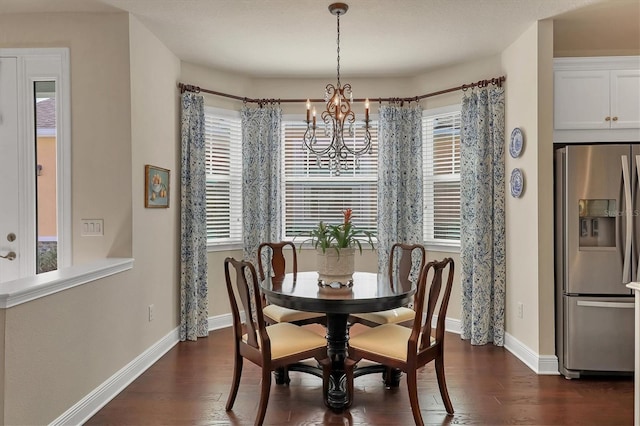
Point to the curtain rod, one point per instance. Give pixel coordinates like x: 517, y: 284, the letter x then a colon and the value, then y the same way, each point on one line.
x: 497, y: 81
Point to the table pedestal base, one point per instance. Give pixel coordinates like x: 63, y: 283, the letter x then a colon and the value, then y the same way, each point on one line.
x: 337, y: 397
x: 337, y: 351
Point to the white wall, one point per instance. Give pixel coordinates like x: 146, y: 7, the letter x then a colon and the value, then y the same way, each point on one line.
x: 55, y: 347
x: 60, y: 348
x: 521, y: 65
x: 101, y: 133
x: 546, y: 257
x: 155, y: 111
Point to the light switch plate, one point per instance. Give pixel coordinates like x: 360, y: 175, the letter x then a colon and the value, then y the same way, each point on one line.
x: 91, y: 227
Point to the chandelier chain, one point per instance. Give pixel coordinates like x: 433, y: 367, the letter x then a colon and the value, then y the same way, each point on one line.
x: 338, y: 48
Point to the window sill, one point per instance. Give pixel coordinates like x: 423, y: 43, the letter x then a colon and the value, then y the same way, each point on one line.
x: 444, y: 248
x: 24, y: 290
x: 224, y: 247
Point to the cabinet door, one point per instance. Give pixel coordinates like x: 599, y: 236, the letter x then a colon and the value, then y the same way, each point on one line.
x: 625, y: 99
x: 581, y: 99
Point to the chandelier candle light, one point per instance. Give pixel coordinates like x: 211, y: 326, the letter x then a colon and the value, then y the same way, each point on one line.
x: 338, y: 113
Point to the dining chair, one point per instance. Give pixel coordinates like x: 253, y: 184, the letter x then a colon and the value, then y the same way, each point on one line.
x: 405, y: 263
x: 269, y: 347
x: 272, y: 262
x: 409, y: 349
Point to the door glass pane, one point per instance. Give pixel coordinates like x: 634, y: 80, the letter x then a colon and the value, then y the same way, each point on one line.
x: 45, y: 169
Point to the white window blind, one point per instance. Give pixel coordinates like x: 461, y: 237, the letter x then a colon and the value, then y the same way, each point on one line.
x: 442, y: 176
x: 223, y: 163
x: 312, y: 194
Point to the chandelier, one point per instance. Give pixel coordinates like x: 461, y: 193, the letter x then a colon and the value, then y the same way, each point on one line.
x: 338, y: 118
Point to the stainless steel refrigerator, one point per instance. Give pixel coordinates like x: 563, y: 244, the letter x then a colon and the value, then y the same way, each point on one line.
x: 597, y: 232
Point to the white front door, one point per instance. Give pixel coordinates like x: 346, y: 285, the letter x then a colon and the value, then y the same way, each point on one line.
x: 11, y: 243
x: 28, y: 76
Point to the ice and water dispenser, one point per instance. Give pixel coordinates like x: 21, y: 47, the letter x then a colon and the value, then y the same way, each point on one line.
x: 597, y: 223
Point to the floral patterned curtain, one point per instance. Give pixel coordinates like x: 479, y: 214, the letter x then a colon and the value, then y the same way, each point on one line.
x: 482, y: 227
x: 261, y: 173
x: 399, y: 179
x: 194, y: 314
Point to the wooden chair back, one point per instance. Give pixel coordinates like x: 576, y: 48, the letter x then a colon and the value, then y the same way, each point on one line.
x: 244, y: 295
x: 272, y: 259
x: 405, y: 264
x: 431, y: 287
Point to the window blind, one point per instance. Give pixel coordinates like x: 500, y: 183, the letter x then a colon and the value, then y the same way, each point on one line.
x: 223, y: 165
x: 312, y: 194
x: 441, y: 136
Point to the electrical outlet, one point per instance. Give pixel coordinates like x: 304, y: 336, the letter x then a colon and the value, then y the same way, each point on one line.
x: 151, y: 313
x: 520, y: 310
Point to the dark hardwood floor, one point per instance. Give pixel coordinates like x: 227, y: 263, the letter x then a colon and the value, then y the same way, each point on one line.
x: 189, y: 385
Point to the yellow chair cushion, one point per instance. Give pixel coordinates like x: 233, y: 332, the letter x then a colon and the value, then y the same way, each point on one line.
x: 281, y: 314
x: 289, y: 339
x: 391, y: 316
x: 389, y: 340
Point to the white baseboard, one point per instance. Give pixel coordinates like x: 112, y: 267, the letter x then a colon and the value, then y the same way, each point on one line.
x: 450, y: 324
x: 540, y: 364
x: 220, y: 321
x: 99, y: 397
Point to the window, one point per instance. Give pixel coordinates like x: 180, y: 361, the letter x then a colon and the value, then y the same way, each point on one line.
x: 46, y: 176
x: 223, y: 164
x: 441, y: 156
x: 312, y: 194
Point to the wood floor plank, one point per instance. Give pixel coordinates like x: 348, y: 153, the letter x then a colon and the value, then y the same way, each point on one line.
x: 488, y: 386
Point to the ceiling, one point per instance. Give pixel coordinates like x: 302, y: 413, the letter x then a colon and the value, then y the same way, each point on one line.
x: 378, y: 38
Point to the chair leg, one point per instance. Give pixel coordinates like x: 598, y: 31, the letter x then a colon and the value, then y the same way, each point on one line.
x: 391, y: 377
x: 412, y: 385
x: 442, y: 384
x: 282, y: 376
x: 237, y: 372
x: 265, y: 388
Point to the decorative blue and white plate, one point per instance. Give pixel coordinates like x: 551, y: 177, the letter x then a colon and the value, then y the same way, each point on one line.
x: 517, y: 183
x: 516, y: 143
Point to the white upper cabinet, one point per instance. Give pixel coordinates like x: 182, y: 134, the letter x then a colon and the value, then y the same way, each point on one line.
x: 581, y: 100
x: 597, y: 99
x: 625, y: 99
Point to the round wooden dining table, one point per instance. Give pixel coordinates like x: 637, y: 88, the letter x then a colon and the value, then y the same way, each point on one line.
x: 369, y: 292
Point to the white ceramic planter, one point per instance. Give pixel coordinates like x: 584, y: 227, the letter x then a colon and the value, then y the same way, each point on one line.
x: 336, y: 267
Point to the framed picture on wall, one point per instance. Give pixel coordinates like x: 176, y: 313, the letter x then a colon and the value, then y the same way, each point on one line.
x: 156, y: 184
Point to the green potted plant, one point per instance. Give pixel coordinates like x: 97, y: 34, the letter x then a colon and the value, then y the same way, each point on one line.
x: 335, y: 246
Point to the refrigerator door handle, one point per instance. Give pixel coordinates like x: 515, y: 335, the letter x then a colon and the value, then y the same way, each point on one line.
x: 626, y: 265
x: 619, y: 305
